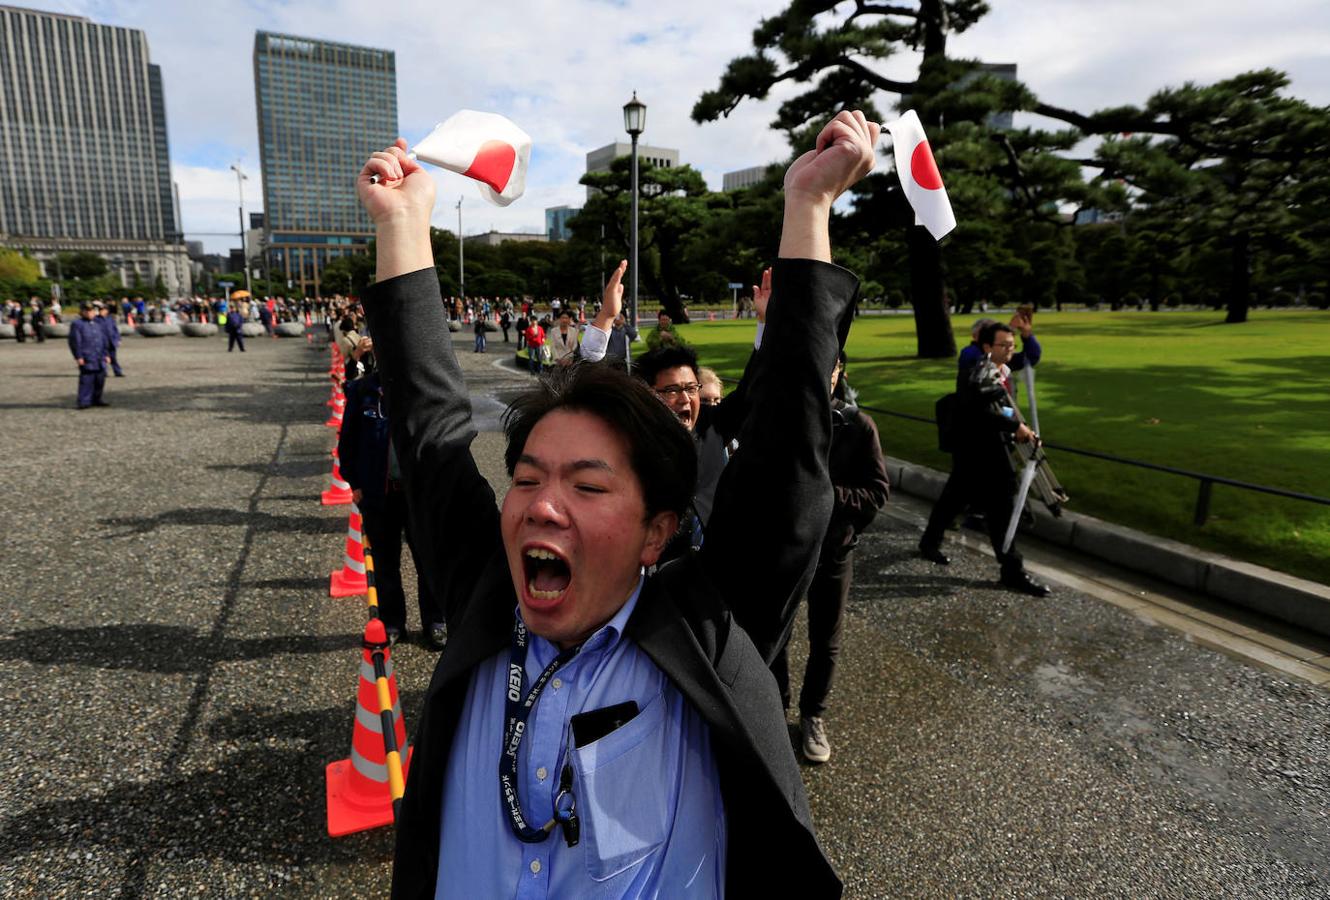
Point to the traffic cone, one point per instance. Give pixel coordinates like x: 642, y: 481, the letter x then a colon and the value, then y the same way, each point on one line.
x: 361, y: 788
x: 340, y: 491
x: 349, y: 581
x: 335, y: 420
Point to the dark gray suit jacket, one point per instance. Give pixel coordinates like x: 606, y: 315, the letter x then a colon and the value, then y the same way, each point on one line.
x: 711, y: 621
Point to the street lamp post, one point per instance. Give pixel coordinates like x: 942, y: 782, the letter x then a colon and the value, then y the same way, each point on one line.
x: 244, y: 251
x: 634, y: 122
x: 461, y: 261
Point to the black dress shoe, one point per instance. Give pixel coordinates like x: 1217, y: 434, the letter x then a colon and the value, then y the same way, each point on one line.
x: 101, y: 403
x: 1023, y: 584
x: 934, y: 555
x: 437, y: 636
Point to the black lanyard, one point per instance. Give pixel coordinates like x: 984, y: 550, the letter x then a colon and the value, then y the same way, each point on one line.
x: 517, y: 712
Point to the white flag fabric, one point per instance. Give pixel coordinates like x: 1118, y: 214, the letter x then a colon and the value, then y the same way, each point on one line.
x: 919, y: 176
x: 484, y: 146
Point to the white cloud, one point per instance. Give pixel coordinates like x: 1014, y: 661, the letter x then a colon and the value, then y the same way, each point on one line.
x: 563, y: 68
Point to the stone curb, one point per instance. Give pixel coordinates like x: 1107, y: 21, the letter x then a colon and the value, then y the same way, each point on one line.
x: 1296, y: 601
x: 157, y: 329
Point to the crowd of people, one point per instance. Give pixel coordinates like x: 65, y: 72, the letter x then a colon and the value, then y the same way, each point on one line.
x: 615, y: 635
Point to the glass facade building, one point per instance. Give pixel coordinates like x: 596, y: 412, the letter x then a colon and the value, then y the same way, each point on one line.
x: 84, y: 161
x: 323, y: 108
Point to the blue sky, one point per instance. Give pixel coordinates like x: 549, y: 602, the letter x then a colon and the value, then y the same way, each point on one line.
x: 562, y: 69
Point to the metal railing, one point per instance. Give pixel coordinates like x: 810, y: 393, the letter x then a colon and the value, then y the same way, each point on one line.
x: 1207, y: 481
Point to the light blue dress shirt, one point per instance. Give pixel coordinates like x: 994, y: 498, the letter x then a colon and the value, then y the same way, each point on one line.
x: 648, y: 794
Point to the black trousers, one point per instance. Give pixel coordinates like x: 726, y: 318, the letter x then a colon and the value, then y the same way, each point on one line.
x: 233, y: 338
x: 826, y: 612
x: 385, y: 526
x: 987, y: 483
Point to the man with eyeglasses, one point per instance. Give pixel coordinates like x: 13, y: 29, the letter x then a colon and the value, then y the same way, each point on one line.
x: 981, y: 472
x: 672, y: 371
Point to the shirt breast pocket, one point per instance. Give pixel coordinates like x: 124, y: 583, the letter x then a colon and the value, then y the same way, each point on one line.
x: 623, y: 798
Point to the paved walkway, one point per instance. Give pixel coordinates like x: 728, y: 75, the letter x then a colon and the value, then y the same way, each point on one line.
x: 175, y: 678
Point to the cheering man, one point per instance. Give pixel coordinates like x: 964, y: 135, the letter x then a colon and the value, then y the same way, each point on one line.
x: 588, y: 729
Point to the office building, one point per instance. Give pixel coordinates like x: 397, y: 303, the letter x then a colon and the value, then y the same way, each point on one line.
x: 599, y: 160
x: 323, y: 108
x: 495, y: 238
x: 556, y: 221
x: 743, y: 178
x: 84, y: 162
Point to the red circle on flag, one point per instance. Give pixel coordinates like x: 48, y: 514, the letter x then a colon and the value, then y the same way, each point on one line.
x: 493, y: 164
x: 923, y: 168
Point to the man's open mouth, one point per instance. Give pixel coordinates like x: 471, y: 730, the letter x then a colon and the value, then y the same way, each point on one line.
x: 547, y: 573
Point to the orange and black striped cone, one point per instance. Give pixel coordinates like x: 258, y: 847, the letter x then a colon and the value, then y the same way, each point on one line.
x: 349, y: 581
x: 363, y: 789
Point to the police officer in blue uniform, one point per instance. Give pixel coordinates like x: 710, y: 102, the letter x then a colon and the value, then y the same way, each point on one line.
x: 106, y: 320
x: 91, y: 348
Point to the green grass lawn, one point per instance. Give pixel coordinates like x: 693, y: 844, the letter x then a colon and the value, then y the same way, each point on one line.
x: 1250, y: 402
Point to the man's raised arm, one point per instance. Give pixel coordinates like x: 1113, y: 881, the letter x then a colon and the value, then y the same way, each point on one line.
x: 775, y: 498
x: 429, y: 409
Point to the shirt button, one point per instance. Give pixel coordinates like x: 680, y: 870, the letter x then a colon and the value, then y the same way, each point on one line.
x: 535, y: 867
x: 556, y: 683
x: 542, y: 773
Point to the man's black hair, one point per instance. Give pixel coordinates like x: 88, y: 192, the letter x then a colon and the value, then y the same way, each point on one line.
x: 989, y: 333
x: 671, y: 356
x: 660, y: 450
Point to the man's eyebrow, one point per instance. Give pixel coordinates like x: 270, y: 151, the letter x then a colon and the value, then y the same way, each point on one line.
x: 529, y: 460
x: 578, y: 465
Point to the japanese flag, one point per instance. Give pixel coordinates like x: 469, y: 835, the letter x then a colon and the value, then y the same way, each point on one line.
x: 483, y: 146
x: 919, y: 176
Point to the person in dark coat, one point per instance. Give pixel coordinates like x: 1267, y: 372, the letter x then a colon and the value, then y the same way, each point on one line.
x: 106, y: 321
x: 859, y: 476
x: 981, y: 472
x: 369, y: 465
x: 668, y: 736
x: 479, y: 327
x: 90, y: 347
x: 37, y: 318
x: 234, y: 334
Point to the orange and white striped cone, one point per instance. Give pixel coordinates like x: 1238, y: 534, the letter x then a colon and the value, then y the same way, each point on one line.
x: 361, y: 788
x: 349, y: 581
x: 340, y: 491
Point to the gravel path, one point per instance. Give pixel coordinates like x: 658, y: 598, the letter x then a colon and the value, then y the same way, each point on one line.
x: 175, y: 678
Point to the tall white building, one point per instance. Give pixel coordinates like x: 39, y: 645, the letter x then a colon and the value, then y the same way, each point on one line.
x: 599, y: 160
x: 84, y: 162
x: 743, y: 178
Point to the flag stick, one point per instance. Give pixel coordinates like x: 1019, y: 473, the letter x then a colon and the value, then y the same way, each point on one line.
x: 1027, y: 477
x: 1027, y: 373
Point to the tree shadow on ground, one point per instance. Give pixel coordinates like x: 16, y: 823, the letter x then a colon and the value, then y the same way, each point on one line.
x: 219, y: 517
x: 168, y: 649
x: 260, y: 805
x: 290, y: 584
x: 289, y: 469
x: 268, y: 403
